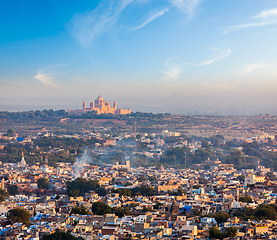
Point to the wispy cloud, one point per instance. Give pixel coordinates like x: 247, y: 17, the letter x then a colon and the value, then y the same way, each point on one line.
x: 251, y: 67
x: 267, y: 17
x: 220, y: 54
x: 172, y: 70
x: 186, y: 6
x: 256, y: 24
x: 109, y: 15
x: 86, y: 27
x: 268, y: 13
x: 152, y: 17
x: 46, y: 77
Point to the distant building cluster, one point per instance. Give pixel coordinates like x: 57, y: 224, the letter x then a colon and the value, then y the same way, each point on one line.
x: 139, y: 201
x: 100, y: 106
x: 166, y: 133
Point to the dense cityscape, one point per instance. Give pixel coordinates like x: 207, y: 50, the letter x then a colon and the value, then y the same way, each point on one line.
x: 110, y: 179
x: 138, y: 120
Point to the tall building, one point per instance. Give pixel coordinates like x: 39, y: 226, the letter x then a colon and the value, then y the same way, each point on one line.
x: 3, y: 183
x: 100, y: 106
x: 23, y: 162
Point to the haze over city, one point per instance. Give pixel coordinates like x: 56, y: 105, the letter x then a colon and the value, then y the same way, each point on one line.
x: 138, y: 119
x: 177, y: 56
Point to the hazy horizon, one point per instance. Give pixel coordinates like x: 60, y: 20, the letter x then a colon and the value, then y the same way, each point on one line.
x: 180, y: 56
x: 154, y: 105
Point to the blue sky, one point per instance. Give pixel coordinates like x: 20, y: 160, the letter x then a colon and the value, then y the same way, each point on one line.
x: 200, y: 56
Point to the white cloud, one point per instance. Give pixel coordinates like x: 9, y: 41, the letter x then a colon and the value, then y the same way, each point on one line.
x: 221, y: 54
x: 172, y: 70
x: 86, y: 27
x: 45, y: 78
x: 257, y: 24
x: 151, y: 18
x: 268, y: 13
x: 268, y: 17
x: 251, y: 67
x: 186, y: 6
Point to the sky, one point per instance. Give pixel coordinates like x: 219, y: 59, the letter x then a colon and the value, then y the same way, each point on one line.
x: 178, y: 56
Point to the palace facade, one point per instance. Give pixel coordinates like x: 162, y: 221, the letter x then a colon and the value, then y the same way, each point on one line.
x: 100, y: 106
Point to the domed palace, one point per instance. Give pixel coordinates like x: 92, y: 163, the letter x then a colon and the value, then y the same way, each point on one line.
x: 100, y: 106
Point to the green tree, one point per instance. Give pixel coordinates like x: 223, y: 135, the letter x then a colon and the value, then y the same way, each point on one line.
x: 11, y: 132
x: 133, y: 204
x: 205, y: 144
x: 143, y: 190
x: 82, y: 210
x: 19, y: 215
x: 3, y: 194
x: 147, y: 209
x: 122, y: 191
x: 179, y: 192
x: 231, y: 232
x: 263, y: 211
x: 101, y: 191
x: 120, y: 212
x: 12, y: 189
x: 214, y: 232
x: 237, y: 158
x: 245, y: 213
x: 100, y: 208
x: 221, y: 217
x: 74, y: 193
x: 43, y: 183
x: 266, y: 212
x: 84, y: 186
x: 60, y: 236
x: 246, y: 199
x: 157, y: 205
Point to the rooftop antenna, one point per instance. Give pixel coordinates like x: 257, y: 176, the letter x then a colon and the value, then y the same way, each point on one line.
x: 46, y: 161
x: 185, y: 160
x: 135, y: 128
